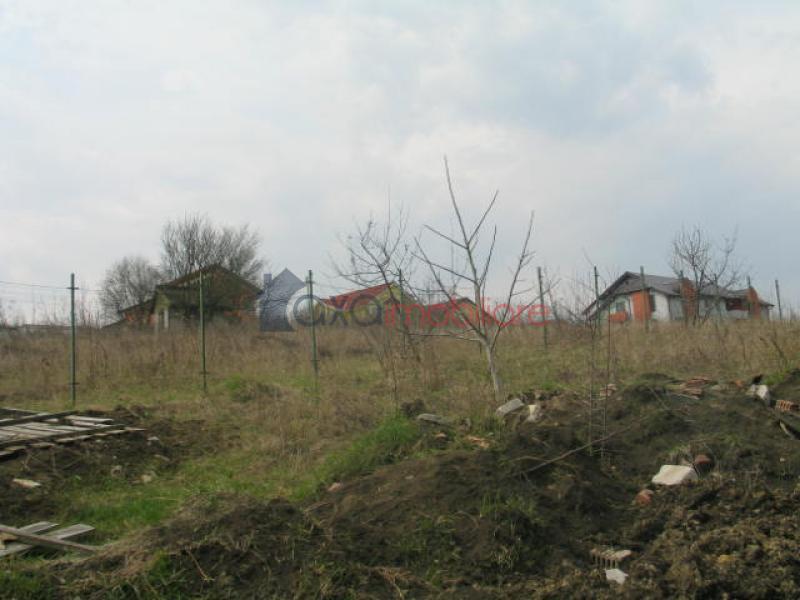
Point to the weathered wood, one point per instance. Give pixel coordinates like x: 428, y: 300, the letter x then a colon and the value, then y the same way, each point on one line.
x: 22, y: 432
x: 34, y: 539
x: 11, y: 451
x: 35, y: 417
x: 39, y: 527
x: 64, y: 533
x: 97, y: 420
x: 55, y: 436
x: 58, y: 427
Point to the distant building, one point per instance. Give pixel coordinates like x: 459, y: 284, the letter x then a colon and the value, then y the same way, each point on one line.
x: 278, y: 299
x: 365, y: 306
x: 660, y: 298
x: 226, y: 296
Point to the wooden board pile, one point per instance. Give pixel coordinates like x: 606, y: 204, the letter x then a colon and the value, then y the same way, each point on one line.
x: 16, y: 541
x: 23, y: 429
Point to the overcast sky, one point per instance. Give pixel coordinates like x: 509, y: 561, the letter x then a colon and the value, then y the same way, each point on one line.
x: 616, y: 122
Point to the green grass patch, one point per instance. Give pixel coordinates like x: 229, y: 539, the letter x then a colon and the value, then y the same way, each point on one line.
x: 389, y: 442
x: 24, y: 584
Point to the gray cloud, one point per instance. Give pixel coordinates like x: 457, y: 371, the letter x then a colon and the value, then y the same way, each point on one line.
x: 616, y: 122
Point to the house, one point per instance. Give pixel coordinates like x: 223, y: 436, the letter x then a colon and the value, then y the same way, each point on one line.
x: 278, y: 299
x: 660, y: 298
x: 365, y: 306
x: 225, y: 295
x: 458, y: 313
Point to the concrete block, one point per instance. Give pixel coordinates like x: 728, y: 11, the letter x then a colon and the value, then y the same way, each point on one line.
x: 760, y: 392
x: 616, y: 576
x: 435, y: 419
x: 674, y: 475
x: 509, y: 407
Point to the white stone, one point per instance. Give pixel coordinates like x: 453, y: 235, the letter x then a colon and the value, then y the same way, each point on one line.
x: 435, y: 419
x: 534, y: 413
x: 28, y: 484
x: 616, y: 575
x: 674, y: 475
x: 509, y: 407
x: 760, y: 391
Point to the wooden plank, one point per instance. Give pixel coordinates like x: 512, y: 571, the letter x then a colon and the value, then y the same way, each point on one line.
x: 98, y: 420
x: 64, y: 533
x: 59, y: 427
x: 12, y: 451
x: 26, y: 431
x: 22, y: 433
x: 34, y: 539
x: 35, y: 417
x: 87, y: 425
x: 39, y: 527
x: 54, y: 437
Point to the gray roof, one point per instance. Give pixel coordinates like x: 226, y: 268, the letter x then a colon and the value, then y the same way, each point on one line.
x: 632, y: 282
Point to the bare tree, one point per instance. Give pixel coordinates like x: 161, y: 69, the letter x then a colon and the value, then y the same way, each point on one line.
x: 378, y: 253
x: 381, y: 254
x: 478, y: 326
x: 128, y: 282
x: 710, y: 266
x: 195, y: 242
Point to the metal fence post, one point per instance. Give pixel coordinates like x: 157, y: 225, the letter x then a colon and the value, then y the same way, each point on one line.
x: 314, y: 360
x: 73, y: 364
x: 541, y: 307
x: 778, y: 295
x: 203, y: 333
x: 645, y: 300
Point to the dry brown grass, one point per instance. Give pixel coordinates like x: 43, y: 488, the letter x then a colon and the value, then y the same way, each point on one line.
x: 138, y: 366
x: 278, y: 432
x: 261, y: 386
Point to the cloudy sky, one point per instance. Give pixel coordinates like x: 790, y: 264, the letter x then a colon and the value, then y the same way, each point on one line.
x: 616, y: 122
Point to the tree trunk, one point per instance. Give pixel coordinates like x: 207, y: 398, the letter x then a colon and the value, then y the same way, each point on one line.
x: 490, y: 361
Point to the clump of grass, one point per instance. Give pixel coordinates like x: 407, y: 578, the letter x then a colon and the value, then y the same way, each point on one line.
x: 24, y: 584
x: 391, y: 441
x: 242, y: 389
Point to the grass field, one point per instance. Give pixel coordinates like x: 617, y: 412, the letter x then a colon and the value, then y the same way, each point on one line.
x: 266, y: 429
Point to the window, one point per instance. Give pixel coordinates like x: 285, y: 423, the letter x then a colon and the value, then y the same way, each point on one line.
x: 619, y: 307
x: 652, y: 301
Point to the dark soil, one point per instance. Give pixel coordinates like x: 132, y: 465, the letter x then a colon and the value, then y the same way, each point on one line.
x: 129, y: 457
x: 500, y: 523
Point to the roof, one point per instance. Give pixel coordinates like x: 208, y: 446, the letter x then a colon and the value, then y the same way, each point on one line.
x: 215, y: 268
x: 346, y: 300
x: 458, y: 304
x: 178, y: 289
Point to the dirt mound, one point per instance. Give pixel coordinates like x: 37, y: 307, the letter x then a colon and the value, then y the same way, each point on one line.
x: 517, y: 519
x: 232, y: 547
x: 720, y: 539
x: 456, y: 520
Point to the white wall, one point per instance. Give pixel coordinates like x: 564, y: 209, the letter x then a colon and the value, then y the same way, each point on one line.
x: 661, y: 312
x: 676, y: 308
